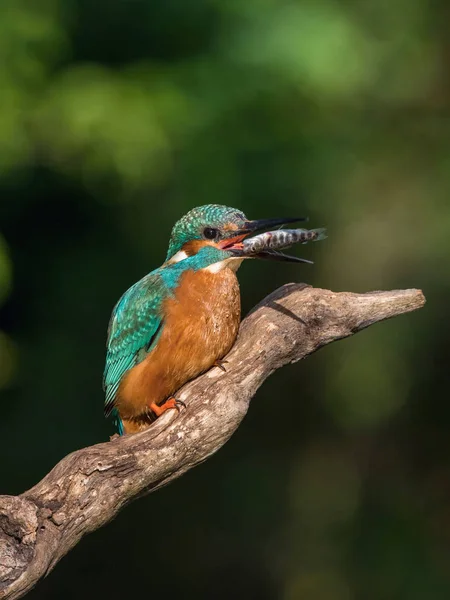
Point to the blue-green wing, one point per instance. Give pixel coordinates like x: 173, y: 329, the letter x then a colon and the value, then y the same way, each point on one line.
x: 134, y: 328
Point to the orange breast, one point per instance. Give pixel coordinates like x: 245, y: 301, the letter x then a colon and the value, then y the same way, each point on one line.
x: 200, y: 326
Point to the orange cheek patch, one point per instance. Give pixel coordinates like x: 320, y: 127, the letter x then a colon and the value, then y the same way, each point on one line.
x: 194, y: 246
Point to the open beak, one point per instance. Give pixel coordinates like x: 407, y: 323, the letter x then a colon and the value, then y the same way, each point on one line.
x: 234, y: 244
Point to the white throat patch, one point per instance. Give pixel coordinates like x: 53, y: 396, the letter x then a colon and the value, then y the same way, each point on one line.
x: 228, y: 263
x: 179, y: 256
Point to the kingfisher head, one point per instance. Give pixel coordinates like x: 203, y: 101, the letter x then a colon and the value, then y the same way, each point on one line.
x: 215, y: 225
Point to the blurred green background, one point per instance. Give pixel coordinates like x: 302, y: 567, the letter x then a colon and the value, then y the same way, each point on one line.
x: 116, y: 118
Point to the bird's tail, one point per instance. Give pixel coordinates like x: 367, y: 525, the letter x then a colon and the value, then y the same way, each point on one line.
x: 117, y: 421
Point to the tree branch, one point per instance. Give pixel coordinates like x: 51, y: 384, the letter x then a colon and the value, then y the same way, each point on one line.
x: 88, y: 487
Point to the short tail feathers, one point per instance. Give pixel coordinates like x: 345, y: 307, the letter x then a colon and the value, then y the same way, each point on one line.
x: 117, y: 422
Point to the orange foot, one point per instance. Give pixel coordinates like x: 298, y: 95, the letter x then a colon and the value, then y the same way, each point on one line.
x: 219, y: 363
x: 169, y: 403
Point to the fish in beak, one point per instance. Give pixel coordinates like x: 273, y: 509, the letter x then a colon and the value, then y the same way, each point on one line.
x: 268, y: 245
x: 234, y: 244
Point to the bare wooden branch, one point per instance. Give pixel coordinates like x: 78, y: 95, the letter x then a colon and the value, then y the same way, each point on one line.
x: 87, y: 488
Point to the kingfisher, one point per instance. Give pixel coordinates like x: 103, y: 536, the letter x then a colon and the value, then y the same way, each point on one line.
x: 182, y: 318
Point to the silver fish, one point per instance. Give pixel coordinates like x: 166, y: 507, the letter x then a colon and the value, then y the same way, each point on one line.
x: 282, y: 238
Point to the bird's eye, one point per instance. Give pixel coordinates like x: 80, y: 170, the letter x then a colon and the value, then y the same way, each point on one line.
x: 210, y: 233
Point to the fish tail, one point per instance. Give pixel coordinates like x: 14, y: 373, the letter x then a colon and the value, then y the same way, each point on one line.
x: 321, y: 233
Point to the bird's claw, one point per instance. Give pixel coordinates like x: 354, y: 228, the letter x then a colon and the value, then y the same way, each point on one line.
x: 219, y: 364
x: 179, y: 404
x: 169, y: 403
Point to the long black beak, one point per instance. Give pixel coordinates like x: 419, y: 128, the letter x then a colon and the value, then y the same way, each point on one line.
x: 261, y: 224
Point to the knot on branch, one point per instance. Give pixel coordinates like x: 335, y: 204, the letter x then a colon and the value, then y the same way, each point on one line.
x: 18, y: 530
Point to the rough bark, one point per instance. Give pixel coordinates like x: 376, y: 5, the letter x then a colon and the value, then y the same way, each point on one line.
x: 88, y: 487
